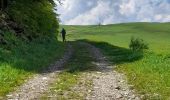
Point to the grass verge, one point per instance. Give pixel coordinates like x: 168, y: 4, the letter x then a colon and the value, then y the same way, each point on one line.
x: 150, y: 76
x: 143, y: 70
x: 20, y: 61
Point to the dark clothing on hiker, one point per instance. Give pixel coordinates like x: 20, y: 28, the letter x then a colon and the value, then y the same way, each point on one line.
x: 63, y: 33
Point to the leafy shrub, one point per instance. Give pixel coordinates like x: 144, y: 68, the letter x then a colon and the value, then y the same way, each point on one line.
x: 137, y: 44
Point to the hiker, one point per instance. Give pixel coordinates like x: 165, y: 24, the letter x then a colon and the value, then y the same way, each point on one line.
x: 63, y: 33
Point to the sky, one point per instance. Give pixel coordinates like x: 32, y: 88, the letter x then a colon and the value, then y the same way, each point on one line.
x: 90, y: 12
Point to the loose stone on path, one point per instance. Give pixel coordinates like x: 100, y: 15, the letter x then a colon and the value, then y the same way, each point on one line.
x: 108, y: 84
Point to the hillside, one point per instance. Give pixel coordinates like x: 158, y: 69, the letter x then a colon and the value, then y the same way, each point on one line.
x: 155, y: 34
x: 147, y: 71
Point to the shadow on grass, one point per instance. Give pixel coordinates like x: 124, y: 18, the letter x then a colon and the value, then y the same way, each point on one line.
x: 37, y: 56
x: 32, y: 57
x: 115, y: 54
x: 82, y: 61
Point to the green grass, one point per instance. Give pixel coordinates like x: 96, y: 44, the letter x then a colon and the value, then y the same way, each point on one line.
x: 149, y: 75
x: 22, y: 60
x: 80, y: 62
x: 148, y: 71
x: 155, y: 34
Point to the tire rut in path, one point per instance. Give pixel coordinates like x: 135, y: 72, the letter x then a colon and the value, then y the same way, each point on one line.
x: 107, y: 83
x: 36, y: 86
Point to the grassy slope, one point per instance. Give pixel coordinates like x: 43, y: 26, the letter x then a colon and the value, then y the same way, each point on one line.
x: 24, y: 60
x: 149, y: 74
x: 157, y: 35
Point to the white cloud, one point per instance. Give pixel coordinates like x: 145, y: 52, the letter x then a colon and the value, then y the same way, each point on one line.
x: 158, y: 17
x: 101, y: 11
x: 165, y: 18
x: 127, y: 8
x: 85, y: 12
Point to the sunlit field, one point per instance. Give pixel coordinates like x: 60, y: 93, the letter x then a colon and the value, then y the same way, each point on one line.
x: 148, y: 71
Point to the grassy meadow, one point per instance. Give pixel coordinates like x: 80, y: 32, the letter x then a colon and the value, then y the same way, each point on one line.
x: 148, y: 71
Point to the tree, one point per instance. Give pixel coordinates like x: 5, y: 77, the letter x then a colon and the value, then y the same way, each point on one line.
x: 3, y: 4
x: 100, y: 21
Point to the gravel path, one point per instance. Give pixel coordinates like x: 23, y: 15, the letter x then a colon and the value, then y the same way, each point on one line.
x: 107, y: 83
x: 36, y: 86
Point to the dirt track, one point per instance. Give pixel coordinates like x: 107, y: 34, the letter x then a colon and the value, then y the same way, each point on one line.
x: 107, y: 83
